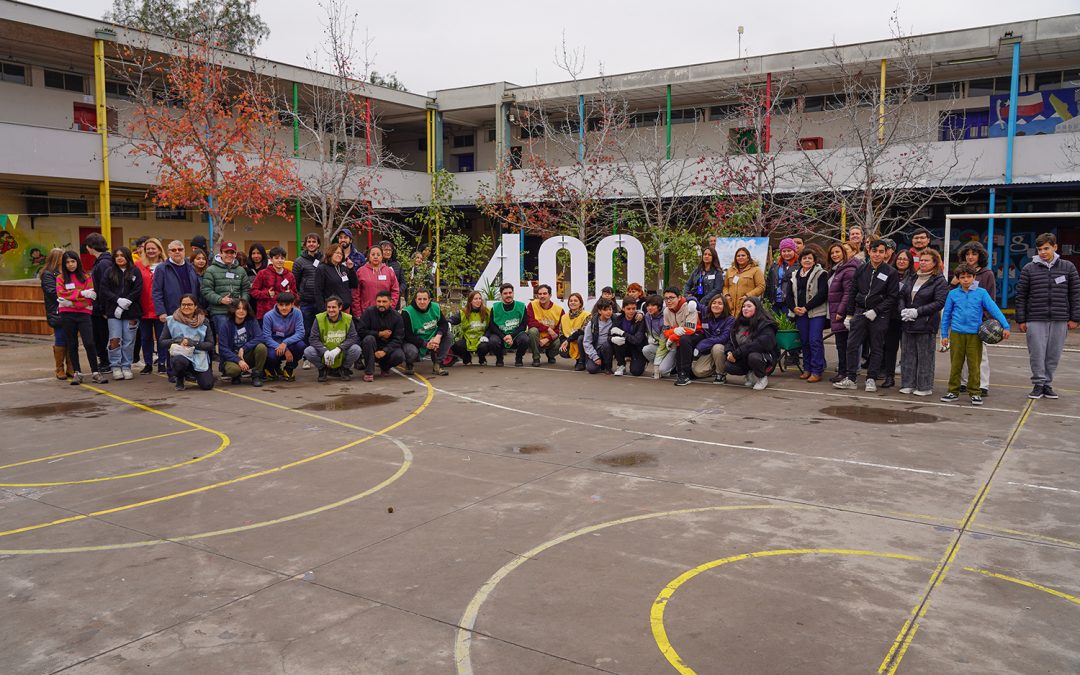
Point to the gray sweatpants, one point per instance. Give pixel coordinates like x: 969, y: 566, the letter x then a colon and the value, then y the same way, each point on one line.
x: 1045, y: 342
x: 918, y: 351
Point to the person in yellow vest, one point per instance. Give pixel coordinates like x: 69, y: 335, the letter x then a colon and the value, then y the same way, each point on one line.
x: 333, y: 343
x: 573, y: 327
x: 544, y: 319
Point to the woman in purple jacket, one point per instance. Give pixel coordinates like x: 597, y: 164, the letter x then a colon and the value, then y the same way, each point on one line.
x: 841, y: 271
x: 716, y: 324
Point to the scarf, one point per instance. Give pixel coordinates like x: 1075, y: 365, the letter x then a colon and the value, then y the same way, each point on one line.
x: 194, y: 321
x: 574, y: 314
x: 920, y: 279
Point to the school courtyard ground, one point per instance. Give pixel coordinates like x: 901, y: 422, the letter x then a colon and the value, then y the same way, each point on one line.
x: 536, y: 520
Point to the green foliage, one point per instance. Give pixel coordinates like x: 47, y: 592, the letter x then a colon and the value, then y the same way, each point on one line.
x: 228, y: 24
x: 678, y: 245
x: 390, y: 80
x: 783, y: 321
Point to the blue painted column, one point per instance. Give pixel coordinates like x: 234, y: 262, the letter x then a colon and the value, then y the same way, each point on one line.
x: 1010, y: 142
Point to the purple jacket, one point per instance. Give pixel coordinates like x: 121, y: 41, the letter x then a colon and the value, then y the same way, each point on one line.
x: 839, y: 284
x: 716, y: 331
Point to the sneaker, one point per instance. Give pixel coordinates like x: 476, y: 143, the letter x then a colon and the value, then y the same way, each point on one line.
x: 551, y: 360
x: 761, y: 384
x: 963, y: 389
x: 923, y: 392
x: 750, y: 380
x: 117, y: 374
x: 368, y: 377
x: 845, y: 383
x: 655, y: 373
x: 871, y: 385
x: 950, y: 397
x: 289, y: 375
x: 482, y: 361
x: 179, y: 384
x: 346, y: 374
x: 436, y: 369
x: 620, y: 371
x: 579, y: 366
x: 322, y: 375
x: 720, y: 379
x: 499, y: 363
x: 99, y: 378
x: 235, y: 380
x: 128, y: 375
x: 985, y: 392
x: 256, y: 381
x: 536, y: 362
x: 1037, y: 391
x: 907, y: 390
x: 306, y: 365
x: 682, y: 380
x: 888, y: 383
x: 976, y: 400
x: 409, y: 369
x: 161, y: 369
x: 76, y: 378
x: 814, y: 378
x: 518, y: 363
x: 1048, y: 392
x: 148, y: 369
x: 839, y: 377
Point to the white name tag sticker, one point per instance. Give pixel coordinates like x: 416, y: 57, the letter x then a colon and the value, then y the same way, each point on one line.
x: 230, y: 275
x: 69, y: 287
x: 882, y: 276
x: 344, y: 277
x: 382, y: 277
x: 735, y: 279
x: 285, y: 283
x: 315, y: 263
x: 1059, y: 280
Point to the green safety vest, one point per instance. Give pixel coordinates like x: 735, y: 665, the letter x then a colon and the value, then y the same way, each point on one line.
x: 508, y: 321
x: 424, y: 324
x: 333, y: 334
x: 472, y: 329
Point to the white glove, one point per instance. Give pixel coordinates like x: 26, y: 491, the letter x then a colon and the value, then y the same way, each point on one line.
x: 618, y: 331
x: 847, y: 322
x: 680, y: 331
x: 670, y: 345
x: 330, y: 355
x: 123, y: 302
x: 618, y: 340
x: 89, y: 293
x: 696, y: 353
x: 119, y: 313
x: 870, y: 315
x: 64, y: 302
x: 909, y: 314
x: 483, y: 339
x: 692, y: 305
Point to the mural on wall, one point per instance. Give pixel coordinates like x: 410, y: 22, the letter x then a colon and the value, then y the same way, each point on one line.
x: 22, y: 253
x: 1056, y: 111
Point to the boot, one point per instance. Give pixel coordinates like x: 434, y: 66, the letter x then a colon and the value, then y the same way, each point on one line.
x: 59, y: 358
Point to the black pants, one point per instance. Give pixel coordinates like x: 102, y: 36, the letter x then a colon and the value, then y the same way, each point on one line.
x: 890, y: 348
x: 632, y: 352
x: 390, y: 359
x: 75, y: 325
x: 841, y: 339
x: 520, y: 345
x: 866, y: 332
x: 482, y: 350
x: 684, y: 353
x: 757, y: 363
x: 181, y: 368
x: 101, y: 340
x: 605, y: 353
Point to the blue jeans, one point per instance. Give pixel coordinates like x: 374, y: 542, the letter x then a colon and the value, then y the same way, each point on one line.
x: 811, y: 332
x: 150, y: 329
x: 308, y: 312
x: 275, y: 362
x: 122, y: 331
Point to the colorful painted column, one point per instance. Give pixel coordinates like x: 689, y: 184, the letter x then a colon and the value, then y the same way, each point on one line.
x: 1014, y: 93
x: 104, y: 192
x: 881, y: 106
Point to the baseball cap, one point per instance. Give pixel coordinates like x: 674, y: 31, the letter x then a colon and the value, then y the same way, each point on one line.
x: 228, y: 246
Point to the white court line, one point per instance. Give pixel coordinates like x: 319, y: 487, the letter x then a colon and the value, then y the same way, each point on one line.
x: 36, y: 379
x: 1045, y: 487
x: 750, y: 448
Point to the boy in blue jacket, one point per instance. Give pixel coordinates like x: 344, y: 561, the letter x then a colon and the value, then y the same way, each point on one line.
x: 283, y: 334
x: 960, y: 321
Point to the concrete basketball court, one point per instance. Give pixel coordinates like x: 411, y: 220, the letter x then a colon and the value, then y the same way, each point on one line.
x: 536, y: 520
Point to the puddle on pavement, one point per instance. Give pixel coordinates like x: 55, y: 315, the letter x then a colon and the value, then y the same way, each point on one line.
x: 63, y: 408
x: 628, y: 459
x: 349, y: 401
x: 869, y: 415
x: 529, y: 449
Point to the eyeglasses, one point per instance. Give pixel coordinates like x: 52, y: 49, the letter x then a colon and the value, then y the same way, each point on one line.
x: 176, y: 250
x: 187, y: 304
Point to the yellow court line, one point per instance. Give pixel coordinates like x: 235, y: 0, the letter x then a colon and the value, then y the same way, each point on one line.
x: 197, y: 427
x: 371, y: 434
x: 656, y: 614
x: 100, y: 447
x: 1029, y: 584
x: 900, y: 644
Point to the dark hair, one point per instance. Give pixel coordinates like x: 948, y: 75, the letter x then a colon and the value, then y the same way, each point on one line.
x: 933, y: 254
x: 828, y: 255
x: 191, y: 296
x: 544, y: 286
x: 715, y: 264
x: 506, y: 286
x: 749, y: 258
x: 654, y: 300
x: 874, y: 243
x: 964, y: 268
x: 973, y: 246
x: 629, y: 301
x: 812, y: 250
x: 286, y: 298
x: 672, y: 289
x: 237, y: 305
x: 313, y: 235
x: 723, y: 314
x: 115, y: 274
x: 907, y: 254
x: 761, y: 317
x: 384, y: 294
x: 277, y: 250
x: 921, y: 230
x: 1045, y: 238
x: 334, y: 298
x: 141, y: 240
x: 79, y: 271
x: 607, y: 289
x: 604, y: 303
x: 421, y: 290
x: 96, y: 241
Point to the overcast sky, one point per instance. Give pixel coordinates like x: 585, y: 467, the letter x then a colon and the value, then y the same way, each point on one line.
x: 439, y: 45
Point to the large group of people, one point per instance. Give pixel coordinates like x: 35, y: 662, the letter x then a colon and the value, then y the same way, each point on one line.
x: 336, y: 310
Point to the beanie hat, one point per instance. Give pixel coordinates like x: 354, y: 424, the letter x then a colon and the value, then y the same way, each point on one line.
x: 788, y: 243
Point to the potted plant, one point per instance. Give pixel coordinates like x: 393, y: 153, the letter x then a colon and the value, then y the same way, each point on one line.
x: 787, y: 334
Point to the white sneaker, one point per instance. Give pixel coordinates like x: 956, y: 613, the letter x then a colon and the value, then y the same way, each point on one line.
x: 128, y: 375
x: 871, y: 385
x: 906, y: 390
x: 923, y: 392
x: 117, y: 374
x: 750, y: 380
x: 845, y: 383
x: 761, y: 384
x: 656, y: 374
x: 306, y: 365
x: 621, y: 370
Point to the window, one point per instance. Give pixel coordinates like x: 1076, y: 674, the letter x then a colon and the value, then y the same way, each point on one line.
x: 964, y: 125
x: 728, y: 111
x: 66, y: 81
x: 421, y: 143
x: 813, y: 104
x: 644, y: 119
x: 515, y: 157
x: 993, y: 85
x: 833, y: 101
x: 117, y: 90
x: 125, y: 210
x: 464, y: 141
x: 742, y: 139
x: 285, y: 118
x: 785, y: 105
x: 12, y: 72
x: 69, y: 207
x: 165, y: 213
x: 943, y: 91
x: 687, y: 115
x: 1046, y: 81
x: 531, y: 131
x: 1070, y: 78
x: 490, y: 135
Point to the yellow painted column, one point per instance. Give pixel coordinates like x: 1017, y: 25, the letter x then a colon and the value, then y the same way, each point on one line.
x: 104, y: 193
x: 881, y: 107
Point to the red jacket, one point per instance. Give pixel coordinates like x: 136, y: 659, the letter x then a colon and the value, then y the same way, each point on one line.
x: 267, y: 285
x: 146, y: 299
x: 71, y: 289
x: 370, y: 281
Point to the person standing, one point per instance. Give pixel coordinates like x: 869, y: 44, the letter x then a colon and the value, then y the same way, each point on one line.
x: 224, y: 283
x: 544, y: 319
x: 95, y: 246
x: 743, y: 278
x: 960, y: 321
x: 381, y: 331
x: 1047, y: 307
x: 374, y: 277
x: 304, y: 268
x: 975, y: 254
x: 872, y: 297
x: 75, y: 298
x: 257, y: 260
x: 334, y: 278
x: 121, y: 288
x: 808, y: 301
x: 271, y: 281
x: 921, y: 300
x: 153, y: 255
x: 906, y: 267
x: 333, y: 343
x: 706, y: 280
x: 353, y: 259
x: 391, y: 261
x: 841, y: 273
x: 49, y: 273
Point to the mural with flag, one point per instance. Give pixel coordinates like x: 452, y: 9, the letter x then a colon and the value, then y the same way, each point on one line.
x: 1056, y: 111
x: 21, y: 253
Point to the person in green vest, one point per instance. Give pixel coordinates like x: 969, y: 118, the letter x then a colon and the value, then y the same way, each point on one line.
x: 427, y: 333
x: 333, y: 343
x: 472, y: 324
x: 507, y: 327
